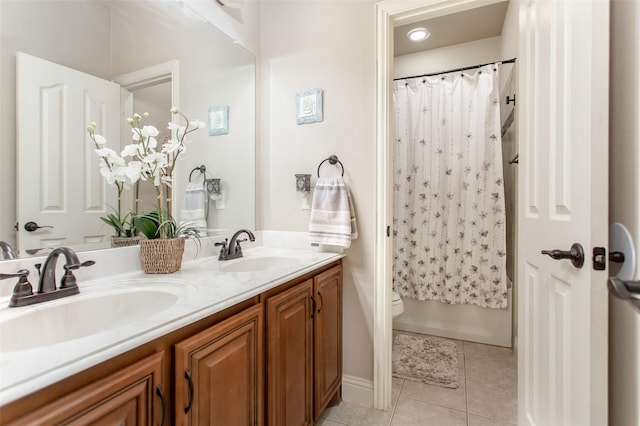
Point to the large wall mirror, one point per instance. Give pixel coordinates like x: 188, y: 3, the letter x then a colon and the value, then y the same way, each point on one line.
x: 157, y: 54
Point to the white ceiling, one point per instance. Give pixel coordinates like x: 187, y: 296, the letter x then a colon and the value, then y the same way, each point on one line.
x: 456, y: 28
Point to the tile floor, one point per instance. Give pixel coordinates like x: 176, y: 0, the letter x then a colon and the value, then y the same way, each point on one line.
x: 487, y: 396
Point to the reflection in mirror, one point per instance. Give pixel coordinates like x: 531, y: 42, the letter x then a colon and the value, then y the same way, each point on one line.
x: 154, y: 54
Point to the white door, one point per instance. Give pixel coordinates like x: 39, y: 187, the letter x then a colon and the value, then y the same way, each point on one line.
x: 563, y: 100
x: 58, y: 176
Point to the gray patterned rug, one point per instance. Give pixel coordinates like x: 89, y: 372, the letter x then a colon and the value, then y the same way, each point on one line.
x: 425, y: 359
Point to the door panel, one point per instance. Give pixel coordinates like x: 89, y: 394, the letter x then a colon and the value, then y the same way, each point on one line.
x: 290, y: 356
x: 58, y: 171
x: 563, y: 68
x: 225, y: 368
x: 327, y: 335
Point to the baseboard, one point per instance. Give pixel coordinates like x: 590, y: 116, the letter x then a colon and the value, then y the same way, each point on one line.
x: 357, y: 390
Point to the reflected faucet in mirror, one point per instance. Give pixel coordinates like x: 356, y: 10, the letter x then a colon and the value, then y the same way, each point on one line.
x: 23, y: 292
x: 6, y: 251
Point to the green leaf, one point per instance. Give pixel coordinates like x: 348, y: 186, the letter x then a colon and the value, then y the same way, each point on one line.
x: 148, y: 226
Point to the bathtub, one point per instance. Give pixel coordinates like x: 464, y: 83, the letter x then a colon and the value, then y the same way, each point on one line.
x: 463, y: 322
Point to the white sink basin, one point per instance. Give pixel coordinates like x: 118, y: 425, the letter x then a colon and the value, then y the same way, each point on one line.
x: 82, y: 315
x: 254, y: 264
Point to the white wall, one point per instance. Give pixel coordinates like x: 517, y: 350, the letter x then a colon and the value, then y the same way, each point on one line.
x: 38, y: 33
x: 446, y: 58
x: 329, y: 45
x: 213, y: 72
x: 241, y: 25
x: 624, y: 204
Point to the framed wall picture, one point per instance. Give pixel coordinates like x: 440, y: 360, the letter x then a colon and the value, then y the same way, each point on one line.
x: 309, y: 106
x: 218, y: 120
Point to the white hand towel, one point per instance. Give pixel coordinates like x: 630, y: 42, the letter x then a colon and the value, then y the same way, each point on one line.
x: 193, y: 208
x: 332, y: 220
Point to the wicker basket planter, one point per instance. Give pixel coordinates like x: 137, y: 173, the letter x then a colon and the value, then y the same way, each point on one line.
x: 125, y: 241
x: 161, y: 256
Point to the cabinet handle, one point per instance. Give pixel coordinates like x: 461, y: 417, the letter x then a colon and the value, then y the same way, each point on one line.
x: 164, y: 404
x: 313, y: 306
x: 321, y: 302
x: 187, y: 376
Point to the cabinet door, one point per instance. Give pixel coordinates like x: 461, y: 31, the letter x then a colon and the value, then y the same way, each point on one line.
x: 289, y: 356
x: 219, y: 373
x: 327, y: 336
x: 123, y: 398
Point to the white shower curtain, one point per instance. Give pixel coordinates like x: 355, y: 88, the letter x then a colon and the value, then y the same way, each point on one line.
x: 449, y: 211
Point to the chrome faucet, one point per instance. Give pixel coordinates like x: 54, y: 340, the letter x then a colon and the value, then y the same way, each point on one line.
x: 6, y: 251
x: 23, y: 292
x: 233, y: 250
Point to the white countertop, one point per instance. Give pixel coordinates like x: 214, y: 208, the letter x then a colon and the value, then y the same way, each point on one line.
x: 201, y: 290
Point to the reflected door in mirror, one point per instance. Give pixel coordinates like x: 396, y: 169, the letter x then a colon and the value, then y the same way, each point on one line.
x: 59, y: 181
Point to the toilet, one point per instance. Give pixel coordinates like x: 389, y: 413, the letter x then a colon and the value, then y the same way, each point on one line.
x: 397, y: 305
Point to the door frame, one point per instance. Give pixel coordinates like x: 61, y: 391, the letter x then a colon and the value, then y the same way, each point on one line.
x: 150, y: 76
x: 389, y: 14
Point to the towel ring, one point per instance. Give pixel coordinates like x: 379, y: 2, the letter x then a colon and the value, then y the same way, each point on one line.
x: 333, y: 159
x: 202, y: 169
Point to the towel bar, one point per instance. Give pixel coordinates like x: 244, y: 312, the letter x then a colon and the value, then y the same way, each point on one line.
x: 332, y: 159
x: 202, y: 169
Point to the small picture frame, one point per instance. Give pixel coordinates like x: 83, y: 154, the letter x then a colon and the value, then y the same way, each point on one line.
x: 218, y: 120
x: 309, y: 106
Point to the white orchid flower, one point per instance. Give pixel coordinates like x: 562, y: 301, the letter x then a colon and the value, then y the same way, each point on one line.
x: 131, y: 150
x: 156, y: 158
x: 99, y: 139
x: 197, y: 124
x: 149, y: 131
x: 108, y: 176
x: 133, y: 171
x: 171, y: 146
x: 177, y: 129
x: 110, y: 156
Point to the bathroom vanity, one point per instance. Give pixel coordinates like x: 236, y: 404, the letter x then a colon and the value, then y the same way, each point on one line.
x: 256, y: 340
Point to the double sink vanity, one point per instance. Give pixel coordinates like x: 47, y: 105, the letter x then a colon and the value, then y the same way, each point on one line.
x: 253, y: 340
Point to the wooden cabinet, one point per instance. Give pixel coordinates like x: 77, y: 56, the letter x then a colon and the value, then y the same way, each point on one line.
x: 132, y: 396
x: 327, y: 337
x: 219, y: 373
x: 304, y: 356
x: 289, y: 356
x: 212, y: 372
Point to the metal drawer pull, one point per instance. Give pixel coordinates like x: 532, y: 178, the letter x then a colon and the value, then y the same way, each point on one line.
x: 164, y: 404
x: 187, y: 376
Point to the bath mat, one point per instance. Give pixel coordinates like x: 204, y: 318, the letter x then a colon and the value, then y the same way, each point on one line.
x: 425, y: 359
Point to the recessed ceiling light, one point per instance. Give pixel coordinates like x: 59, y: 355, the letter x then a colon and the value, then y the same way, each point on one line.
x: 418, y: 34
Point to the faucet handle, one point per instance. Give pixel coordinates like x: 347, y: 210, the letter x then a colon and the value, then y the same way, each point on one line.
x: 74, y: 266
x: 222, y: 243
x: 68, y: 279
x: 22, y: 288
x: 22, y: 273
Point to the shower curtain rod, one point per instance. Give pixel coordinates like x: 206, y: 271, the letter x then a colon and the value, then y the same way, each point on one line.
x: 508, y: 61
